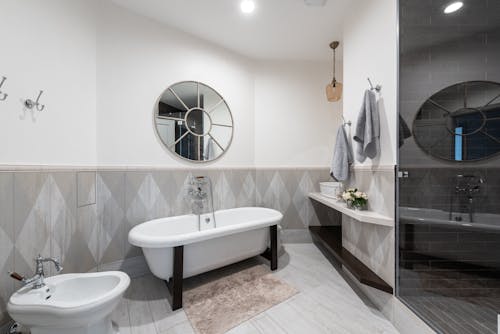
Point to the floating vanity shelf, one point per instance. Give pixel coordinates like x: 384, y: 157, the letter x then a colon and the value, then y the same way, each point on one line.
x: 364, y: 216
x: 329, y: 238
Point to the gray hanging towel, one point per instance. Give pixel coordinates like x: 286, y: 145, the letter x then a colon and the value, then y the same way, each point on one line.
x: 404, y: 131
x: 367, y: 132
x: 342, y: 157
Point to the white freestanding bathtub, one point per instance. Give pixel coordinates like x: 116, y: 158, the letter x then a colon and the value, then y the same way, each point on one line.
x: 237, y: 234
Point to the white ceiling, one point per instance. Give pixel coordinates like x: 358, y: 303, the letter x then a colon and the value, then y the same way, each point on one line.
x: 278, y: 29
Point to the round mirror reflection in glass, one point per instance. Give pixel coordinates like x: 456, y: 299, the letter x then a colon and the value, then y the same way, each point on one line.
x: 460, y: 122
x: 194, y: 122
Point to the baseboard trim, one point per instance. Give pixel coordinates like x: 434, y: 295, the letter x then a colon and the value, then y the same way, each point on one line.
x: 134, y: 266
x: 295, y: 236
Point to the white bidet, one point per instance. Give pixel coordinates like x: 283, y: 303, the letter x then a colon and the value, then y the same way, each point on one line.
x: 70, y: 303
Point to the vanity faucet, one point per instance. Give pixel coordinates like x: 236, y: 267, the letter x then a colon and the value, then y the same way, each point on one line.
x: 37, y: 280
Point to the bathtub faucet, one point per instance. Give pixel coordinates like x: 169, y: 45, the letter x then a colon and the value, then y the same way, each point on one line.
x: 198, y: 188
x: 196, y: 191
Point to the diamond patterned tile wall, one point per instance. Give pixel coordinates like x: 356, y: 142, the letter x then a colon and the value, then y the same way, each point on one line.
x: 62, y: 214
x: 6, y: 240
x: 286, y: 190
x: 111, y: 216
x: 83, y: 217
x: 86, y: 188
x: 379, y: 185
x: 31, y: 218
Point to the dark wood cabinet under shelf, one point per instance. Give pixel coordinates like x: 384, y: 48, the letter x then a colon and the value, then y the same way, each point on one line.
x: 330, y: 238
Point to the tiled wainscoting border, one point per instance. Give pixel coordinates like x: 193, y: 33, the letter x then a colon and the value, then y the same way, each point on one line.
x: 83, y: 214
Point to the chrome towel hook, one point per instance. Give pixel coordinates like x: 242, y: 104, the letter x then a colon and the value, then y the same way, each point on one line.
x: 344, y: 122
x: 3, y: 96
x: 377, y: 88
x: 30, y: 104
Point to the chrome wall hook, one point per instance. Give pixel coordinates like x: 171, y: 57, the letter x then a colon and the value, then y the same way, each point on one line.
x: 344, y: 122
x: 3, y: 96
x: 30, y: 104
x: 377, y: 88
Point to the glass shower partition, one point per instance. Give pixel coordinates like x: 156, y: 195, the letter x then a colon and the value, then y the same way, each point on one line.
x: 448, y: 268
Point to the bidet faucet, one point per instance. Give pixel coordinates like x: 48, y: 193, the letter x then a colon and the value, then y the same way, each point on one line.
x: 37, y: 280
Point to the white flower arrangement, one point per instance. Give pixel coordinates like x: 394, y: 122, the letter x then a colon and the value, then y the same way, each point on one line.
x: 355, y: 198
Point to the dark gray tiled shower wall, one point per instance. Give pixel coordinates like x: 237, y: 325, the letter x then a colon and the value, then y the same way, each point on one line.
x: 84, y: 217
x: 434, y: 188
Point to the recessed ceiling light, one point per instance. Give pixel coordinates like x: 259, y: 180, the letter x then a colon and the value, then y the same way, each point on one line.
x: 453, y: 7
x: 247, y: 6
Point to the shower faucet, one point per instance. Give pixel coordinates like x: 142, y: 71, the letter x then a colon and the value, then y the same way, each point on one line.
x: 469, y: 188
x: 467, y: 185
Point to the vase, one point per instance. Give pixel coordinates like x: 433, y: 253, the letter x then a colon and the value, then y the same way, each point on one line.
x: 351, y: 206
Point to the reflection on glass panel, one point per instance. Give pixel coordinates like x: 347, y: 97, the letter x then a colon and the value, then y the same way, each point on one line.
x: 472, y: 107
x: 194, y: 121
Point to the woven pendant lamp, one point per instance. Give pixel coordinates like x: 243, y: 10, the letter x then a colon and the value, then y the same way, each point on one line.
x: 334, y: 89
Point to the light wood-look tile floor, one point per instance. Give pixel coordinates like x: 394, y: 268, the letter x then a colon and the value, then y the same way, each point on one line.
x: 326, y: 304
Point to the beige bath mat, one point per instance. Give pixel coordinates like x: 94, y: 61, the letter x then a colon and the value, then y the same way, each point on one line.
x: 217, y: 306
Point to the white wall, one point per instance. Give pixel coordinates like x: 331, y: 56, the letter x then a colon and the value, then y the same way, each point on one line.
x: 280, y: 111
x: 294, y: 122
x: 137, y: 59
x: 48, y: 45
x: 103, y: 69
x: 370, y: 50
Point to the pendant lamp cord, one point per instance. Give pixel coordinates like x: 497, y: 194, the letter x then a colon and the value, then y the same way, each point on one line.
x: 334, y: 81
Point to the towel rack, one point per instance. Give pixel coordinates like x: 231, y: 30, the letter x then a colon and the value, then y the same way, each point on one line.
x: 377, y: 88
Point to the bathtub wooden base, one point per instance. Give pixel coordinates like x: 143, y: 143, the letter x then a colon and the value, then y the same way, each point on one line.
x: 174, y: 284
x: 272, y: 253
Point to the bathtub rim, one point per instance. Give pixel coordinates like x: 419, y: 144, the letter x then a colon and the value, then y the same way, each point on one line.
x: 148, y: 241
x: 407, y: 218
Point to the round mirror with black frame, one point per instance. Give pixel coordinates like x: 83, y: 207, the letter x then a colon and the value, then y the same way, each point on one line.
x: 460, y: 122
x: 194, y: 122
